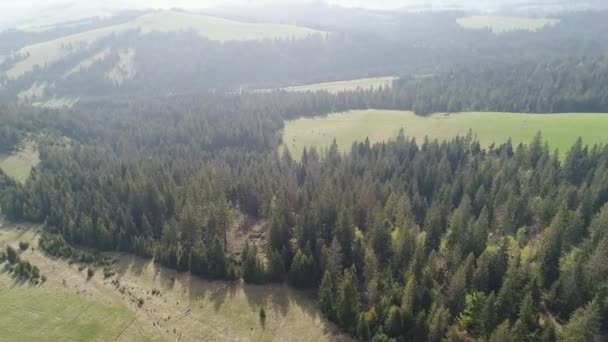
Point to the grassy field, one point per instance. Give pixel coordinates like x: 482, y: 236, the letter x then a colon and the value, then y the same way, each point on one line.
x: 500, y: 24
x: 340, y: 86
x: 560, y: 130
x: 51, y: 311
x: 88, y: 62
x: 38, y: 313
x: 57, y: 102
x: 220, y: 311
x: 19, y: 164
x: 125, y: 68
x: 218, y: 28
x: 36, y: 90
x: 71, y: 307
x: 163, y: 21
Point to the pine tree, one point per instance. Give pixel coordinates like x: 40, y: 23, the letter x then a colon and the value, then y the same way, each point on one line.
x: 252, y: 267
x: 472, y: 316
x: 584, y: 325
x: 348, y: 299
x: 276, y: 267
x: 198, y: 259
x: 303, y: 271
x: 438, y: 323
x: 502, y: 333
x: 217, y: 258
x: 326, y: 295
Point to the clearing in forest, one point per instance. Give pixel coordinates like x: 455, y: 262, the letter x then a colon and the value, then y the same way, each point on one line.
x: 19, y: 164
x: 560, y: 130
x: 500, y: 24
x: 342, y: 86
x: 174, y: 306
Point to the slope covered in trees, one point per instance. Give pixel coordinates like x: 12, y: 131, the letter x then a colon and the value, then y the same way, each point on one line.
x: 392, y: 44
x: 411, y: 240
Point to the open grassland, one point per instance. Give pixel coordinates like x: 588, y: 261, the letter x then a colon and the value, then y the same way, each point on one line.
x: 341, y: 86
x: 88, y: 62
x: 57, y: 102
x: 51, y: 311
x: 499, y: 24
x: 19, y: 164
x: 216, y: 28
x: 163, y: 21
x: 70, y: 307
x: 40, y: 313
x: 559, y: 130
x: 125, y: 68
x: 191, y: 308
x: 36, y: 90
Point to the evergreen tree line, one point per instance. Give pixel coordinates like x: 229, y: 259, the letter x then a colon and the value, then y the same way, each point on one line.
x: 533, y: 86
x: 402, y: 240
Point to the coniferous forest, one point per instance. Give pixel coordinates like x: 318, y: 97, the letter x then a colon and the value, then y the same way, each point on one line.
x: 403, y: 240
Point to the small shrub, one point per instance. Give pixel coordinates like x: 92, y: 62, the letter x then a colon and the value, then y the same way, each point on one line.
x: 11, y: 255
x: 140, y: 302
x: 23, y: 245
x: 35, y: 272
x: 262, y: 313
x: 108, y: 272
x: 90, y: 273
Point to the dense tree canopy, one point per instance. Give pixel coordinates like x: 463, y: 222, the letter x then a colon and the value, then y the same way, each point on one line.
x: 408, y: 240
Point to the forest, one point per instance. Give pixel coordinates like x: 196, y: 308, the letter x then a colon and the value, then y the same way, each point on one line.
x: 405, y: 240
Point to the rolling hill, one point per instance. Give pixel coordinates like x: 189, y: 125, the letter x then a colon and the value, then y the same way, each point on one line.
x: 213, y: 28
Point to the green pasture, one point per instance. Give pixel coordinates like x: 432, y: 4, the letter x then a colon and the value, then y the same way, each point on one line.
x: 19, y: 164
x: 559, y: 130
x: 500, y: 24
x: 341, y: 86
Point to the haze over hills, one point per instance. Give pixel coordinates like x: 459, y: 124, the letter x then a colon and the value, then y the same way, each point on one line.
x: 39, y: 14
x: 52, y: 62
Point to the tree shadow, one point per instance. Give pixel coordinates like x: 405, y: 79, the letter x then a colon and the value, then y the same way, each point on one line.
x: 272, y: 297
x: 263, y: 318
x: 127, y: 262
x: 17, y: 280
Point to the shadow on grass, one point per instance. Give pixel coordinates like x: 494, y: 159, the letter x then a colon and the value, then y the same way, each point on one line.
x: 18, y: 281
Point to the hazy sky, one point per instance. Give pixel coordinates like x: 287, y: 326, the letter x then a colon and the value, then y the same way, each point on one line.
x: 32, y: 13
x: 35, y: 4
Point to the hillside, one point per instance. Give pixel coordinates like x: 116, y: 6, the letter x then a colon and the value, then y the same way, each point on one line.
x: 212, y: 28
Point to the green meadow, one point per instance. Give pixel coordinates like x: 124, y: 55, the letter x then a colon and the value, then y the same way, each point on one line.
x: 500, y: 24
x: 40, y: 313
x: 19, y: 164
x: 559, y: 130
x: 341, y: 86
